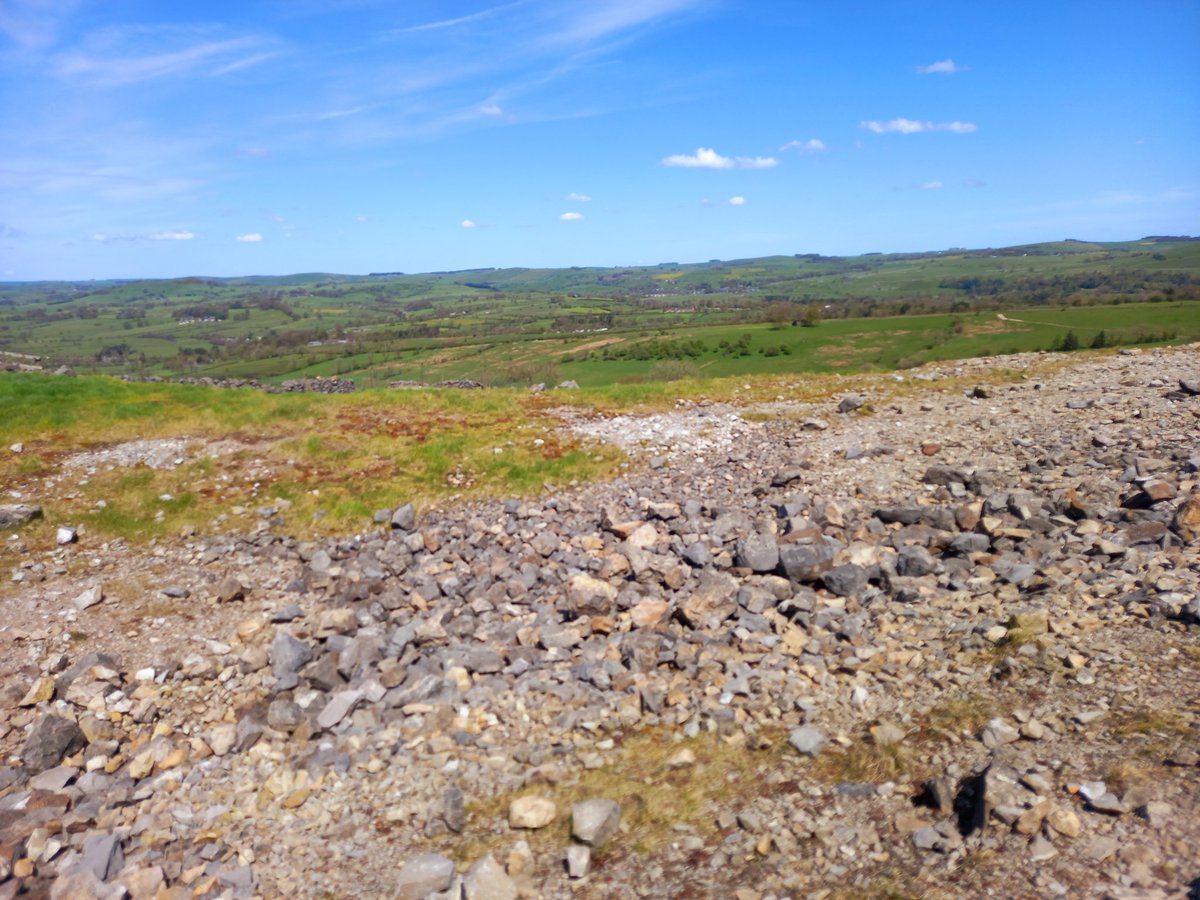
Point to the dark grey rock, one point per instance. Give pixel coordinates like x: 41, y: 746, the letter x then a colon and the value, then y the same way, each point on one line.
x: 52, y: 738
x: 914, y: 562
x: 288, y: 655
x: 758, y: 552
x: 945, y: 475
x: 845, y: 580
x: 802, y: 562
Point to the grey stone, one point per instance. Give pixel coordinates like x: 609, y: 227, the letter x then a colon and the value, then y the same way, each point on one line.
x: 595, y: 821
x: 405, y: 518
x: 914, y: 562
x: 579, y: 860
x: 758, y: 552
x: 698, y: 554
x: 423, y: 875
x: 339, y: 706
x: 89, y: 598
x: 53, y: 780
x: 845, y: 580
x: 15, y: 515
x: 998, y: 732
x: 284, y: 715
x: 851, y: 402
x: 288, y: 655
x: 807, y: 740
x: 101, y: 856
x: 454, y: 811
x: 945, y: 475
x: 230, y: 589
x: 52, y: 738
x: 487, y: 880
x: 806, y: 562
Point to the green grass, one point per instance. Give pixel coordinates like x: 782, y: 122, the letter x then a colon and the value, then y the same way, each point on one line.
x: 333, y: 459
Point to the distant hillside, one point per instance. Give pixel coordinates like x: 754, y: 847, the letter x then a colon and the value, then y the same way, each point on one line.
x: 472, y: 322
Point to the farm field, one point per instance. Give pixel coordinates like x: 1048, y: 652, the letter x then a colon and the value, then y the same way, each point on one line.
x: 601, y: 326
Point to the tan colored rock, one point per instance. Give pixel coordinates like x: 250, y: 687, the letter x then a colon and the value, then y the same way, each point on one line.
x: 531, y: 812
x: 42, y: 691
x: 1186, y: 523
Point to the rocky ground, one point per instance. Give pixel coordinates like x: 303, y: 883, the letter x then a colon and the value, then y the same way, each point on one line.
x: 907, y: 642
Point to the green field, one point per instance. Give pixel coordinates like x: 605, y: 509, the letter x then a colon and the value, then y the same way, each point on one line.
x: 604, y: 326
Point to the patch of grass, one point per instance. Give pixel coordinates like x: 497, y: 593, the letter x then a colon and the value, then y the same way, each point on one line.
x: 653, y: 797
x: 962, y: 715
x: 340, y: 456
x: 1151, y: 722
x: 1124, y: 774
x: 865, y: 762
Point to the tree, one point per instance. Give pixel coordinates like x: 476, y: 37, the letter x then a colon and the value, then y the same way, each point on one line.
x: 812, y: 316
x: 1069, y: 342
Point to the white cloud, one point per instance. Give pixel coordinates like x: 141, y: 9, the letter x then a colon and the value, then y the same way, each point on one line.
x: 942, y: 67
x: 579, y: 198
x: 467, y: 223
x: 571, y: 216
x: 490, y: 109
x: 707, y: 158
x: 912, y: 126
x: 173, y: 236
x: 251, y: 238
x: 360, y: 219
x: 812, y: 145
x: 932, y: 186
x: 737, y: 201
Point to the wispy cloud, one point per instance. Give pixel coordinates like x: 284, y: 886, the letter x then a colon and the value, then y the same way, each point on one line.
x: 707, y: 158
x: 571, y: 216
x: 737, y: 201
x: 104, y: 237
x: 942, y: 67
x: 467, y: 223
x: 611, y: 16
x: 912, y: 126
x: 932, y: 186
x: 35, y: 24
x: 252, y: 238
x: 338, y: 113
x: 7, y: 231
x: 812, y: 145
x: 441, y: 24
x: 579, y: 198
x: 117, y: 57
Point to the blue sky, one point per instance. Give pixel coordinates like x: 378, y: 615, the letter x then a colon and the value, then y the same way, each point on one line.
x: 142, y: 138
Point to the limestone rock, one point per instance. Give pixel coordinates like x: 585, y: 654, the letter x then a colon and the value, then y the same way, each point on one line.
x: 531, y: 812
x: 594, y: 822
